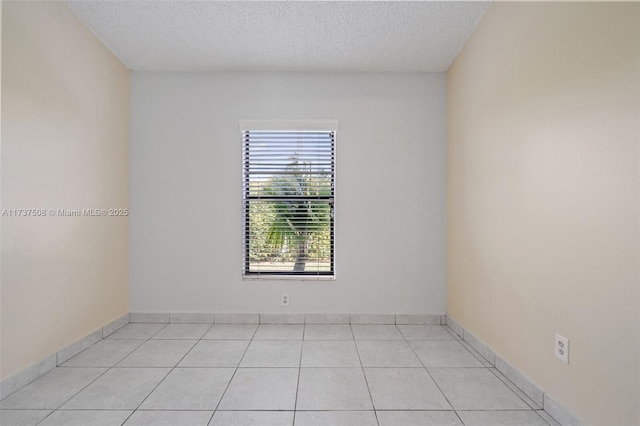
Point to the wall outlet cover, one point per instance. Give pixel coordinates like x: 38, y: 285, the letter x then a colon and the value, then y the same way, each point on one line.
x: 561, y: 348
x: 284, y: 299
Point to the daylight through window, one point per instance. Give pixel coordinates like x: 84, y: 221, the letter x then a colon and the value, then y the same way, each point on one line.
x: 288, y: 202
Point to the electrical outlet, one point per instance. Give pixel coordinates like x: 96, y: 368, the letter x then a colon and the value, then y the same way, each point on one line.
x: 562, y: 348
x: 284, y: 299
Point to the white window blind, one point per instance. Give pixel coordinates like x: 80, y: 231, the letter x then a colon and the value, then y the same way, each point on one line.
x: 288, y: 202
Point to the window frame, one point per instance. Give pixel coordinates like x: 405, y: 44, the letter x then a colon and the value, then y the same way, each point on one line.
x: 330, y: 126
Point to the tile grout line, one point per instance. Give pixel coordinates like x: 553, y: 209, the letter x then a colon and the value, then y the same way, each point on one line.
x: 435, y: 383
x: 375, y: 413
x: 105, y: 366
x: 473, y: 353
x: 93, y: 381
x: 295, y: 403
x: 105, y: 372
x: 75, y: 394
x: 476, y: 354
x: 543, y: 419
x: 446, y: 328
x: 234, y: 374
x: 45, y: 417
x: 83, y: 388
x: 510, y: 384
x: 162, y: 380
x: 55, y: 356
x: 503, y: 378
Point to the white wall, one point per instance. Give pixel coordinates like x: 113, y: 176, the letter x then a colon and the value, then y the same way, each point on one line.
x: 185, y: 190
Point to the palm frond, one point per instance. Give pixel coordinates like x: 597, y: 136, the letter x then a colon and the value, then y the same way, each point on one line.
x: 296, y: 218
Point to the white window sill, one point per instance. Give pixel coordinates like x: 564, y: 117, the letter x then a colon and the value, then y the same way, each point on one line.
x: 288, y: 278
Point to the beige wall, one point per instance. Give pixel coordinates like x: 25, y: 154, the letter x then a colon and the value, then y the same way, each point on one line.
x: 543, y: 134
x: 65, y: 105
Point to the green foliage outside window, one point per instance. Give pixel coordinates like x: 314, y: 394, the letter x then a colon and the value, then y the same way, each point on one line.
x: 294, y: 229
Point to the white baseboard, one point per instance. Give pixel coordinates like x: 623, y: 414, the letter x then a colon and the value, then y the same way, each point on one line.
x: 14, y: 382
x: 159, y: 317
x: 189, y: 318
x: 78, y: 346
x: 538, y: 395
x: 115, y: 325
x: 327, y: 319
x: 285, y: 318
x: 22, y: 378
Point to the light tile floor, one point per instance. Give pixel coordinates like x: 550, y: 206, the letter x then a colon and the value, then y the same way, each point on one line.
x: 239, y: 374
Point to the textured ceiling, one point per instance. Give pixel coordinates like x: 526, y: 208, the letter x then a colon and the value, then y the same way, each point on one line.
x: 282, y: 35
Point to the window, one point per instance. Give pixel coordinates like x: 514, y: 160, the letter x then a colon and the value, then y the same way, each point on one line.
x: 288, y: 201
